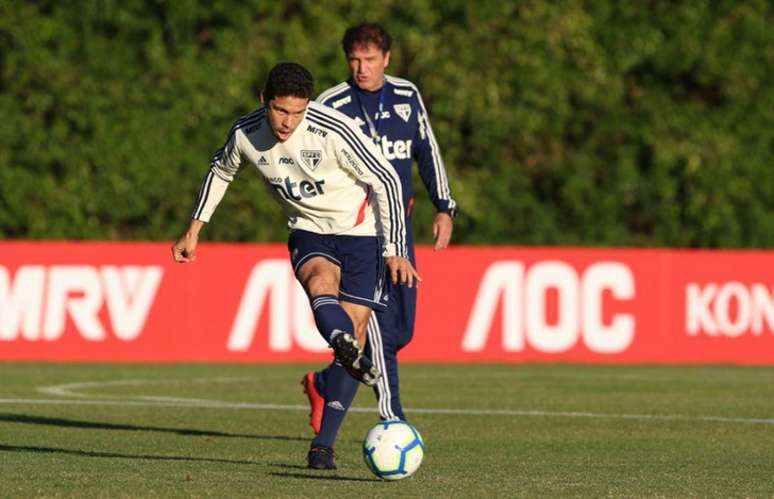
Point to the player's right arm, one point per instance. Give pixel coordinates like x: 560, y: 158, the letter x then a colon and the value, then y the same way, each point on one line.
x: 223, y: 166
x: 359, y: 156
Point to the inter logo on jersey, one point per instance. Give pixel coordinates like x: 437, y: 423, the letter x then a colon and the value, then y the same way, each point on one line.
x: 403, y: 110
x: 296, y: 191
x: 311, y: 158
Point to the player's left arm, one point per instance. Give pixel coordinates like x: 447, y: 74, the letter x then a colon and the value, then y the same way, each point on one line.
x: 360, y: 157
x: 433, y: 173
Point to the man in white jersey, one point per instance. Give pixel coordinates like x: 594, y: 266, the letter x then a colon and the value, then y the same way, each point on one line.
x: 344, y: 207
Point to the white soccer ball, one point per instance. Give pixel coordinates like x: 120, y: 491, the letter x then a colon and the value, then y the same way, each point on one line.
x: 393, y: 450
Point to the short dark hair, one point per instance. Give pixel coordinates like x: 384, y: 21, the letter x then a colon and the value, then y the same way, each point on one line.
x: 365, y: 34
x: 288, y: 79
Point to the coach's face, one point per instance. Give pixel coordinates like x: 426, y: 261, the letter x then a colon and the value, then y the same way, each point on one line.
x: 367, y: 64
x: 284, y: 114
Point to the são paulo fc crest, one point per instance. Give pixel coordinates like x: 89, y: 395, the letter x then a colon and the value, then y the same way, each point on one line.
x: 311, y: 158
x: 403, y: 110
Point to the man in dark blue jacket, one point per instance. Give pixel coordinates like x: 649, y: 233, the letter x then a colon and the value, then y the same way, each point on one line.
x: 389, y: 110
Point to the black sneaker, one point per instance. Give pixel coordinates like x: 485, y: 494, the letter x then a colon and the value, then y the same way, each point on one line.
x: 321, y: 458
x: 349, y: 354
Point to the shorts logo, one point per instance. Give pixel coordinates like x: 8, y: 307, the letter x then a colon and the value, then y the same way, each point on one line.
x: 311, y: 158
x: 403, y: 110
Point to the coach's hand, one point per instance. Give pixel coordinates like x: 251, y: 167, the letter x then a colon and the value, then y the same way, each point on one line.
x: 443, y: 225
x: 401, y: 271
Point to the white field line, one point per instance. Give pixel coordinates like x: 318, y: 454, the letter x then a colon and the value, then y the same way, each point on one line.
x: 71, y: 390
x: 216, y: 404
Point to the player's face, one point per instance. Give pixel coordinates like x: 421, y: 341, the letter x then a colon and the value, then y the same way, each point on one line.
x: 285, y: 113
x: 367, y: 64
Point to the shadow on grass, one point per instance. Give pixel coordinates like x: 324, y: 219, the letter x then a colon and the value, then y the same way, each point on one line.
x: 313, y: 476
x: 70, y: 423
x: 290, y: 466
x: 115, y: 455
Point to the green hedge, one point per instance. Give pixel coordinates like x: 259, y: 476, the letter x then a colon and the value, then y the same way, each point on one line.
x: 569, y: 122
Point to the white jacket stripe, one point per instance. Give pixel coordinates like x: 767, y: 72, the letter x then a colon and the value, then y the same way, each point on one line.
x: 442, y: 181
x: 331, y: 92
x: 384, y: 394
x: 204, y: 192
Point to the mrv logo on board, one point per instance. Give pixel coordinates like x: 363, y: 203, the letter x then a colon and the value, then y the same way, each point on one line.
x: 36, y: 302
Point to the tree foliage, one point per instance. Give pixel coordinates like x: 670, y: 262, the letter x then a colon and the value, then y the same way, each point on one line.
x: 569, y: 122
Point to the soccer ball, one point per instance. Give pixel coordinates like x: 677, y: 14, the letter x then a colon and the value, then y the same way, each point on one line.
x: 393, y: 450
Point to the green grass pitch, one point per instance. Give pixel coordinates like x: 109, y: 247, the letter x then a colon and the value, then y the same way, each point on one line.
x: 72, y: 430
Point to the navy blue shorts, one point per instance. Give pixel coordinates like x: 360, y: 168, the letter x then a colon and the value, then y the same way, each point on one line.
x: 359, y: 258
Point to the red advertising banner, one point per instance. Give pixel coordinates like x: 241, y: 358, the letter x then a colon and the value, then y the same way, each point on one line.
x: 126, y: 302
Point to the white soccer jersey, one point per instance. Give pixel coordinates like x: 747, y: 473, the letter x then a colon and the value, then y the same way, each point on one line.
x: 325, y: 176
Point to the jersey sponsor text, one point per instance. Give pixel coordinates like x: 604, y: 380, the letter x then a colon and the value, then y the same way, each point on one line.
x: 296, y: 191
x: 395, y: 149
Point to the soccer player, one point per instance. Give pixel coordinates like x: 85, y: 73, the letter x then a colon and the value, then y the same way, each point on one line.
x: 333, y: 184
x: 390, y: 110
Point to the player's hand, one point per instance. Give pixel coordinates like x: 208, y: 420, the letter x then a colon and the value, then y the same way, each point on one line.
x: 401, y: 271
x: 184, y: 250
x: 443, y: 225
